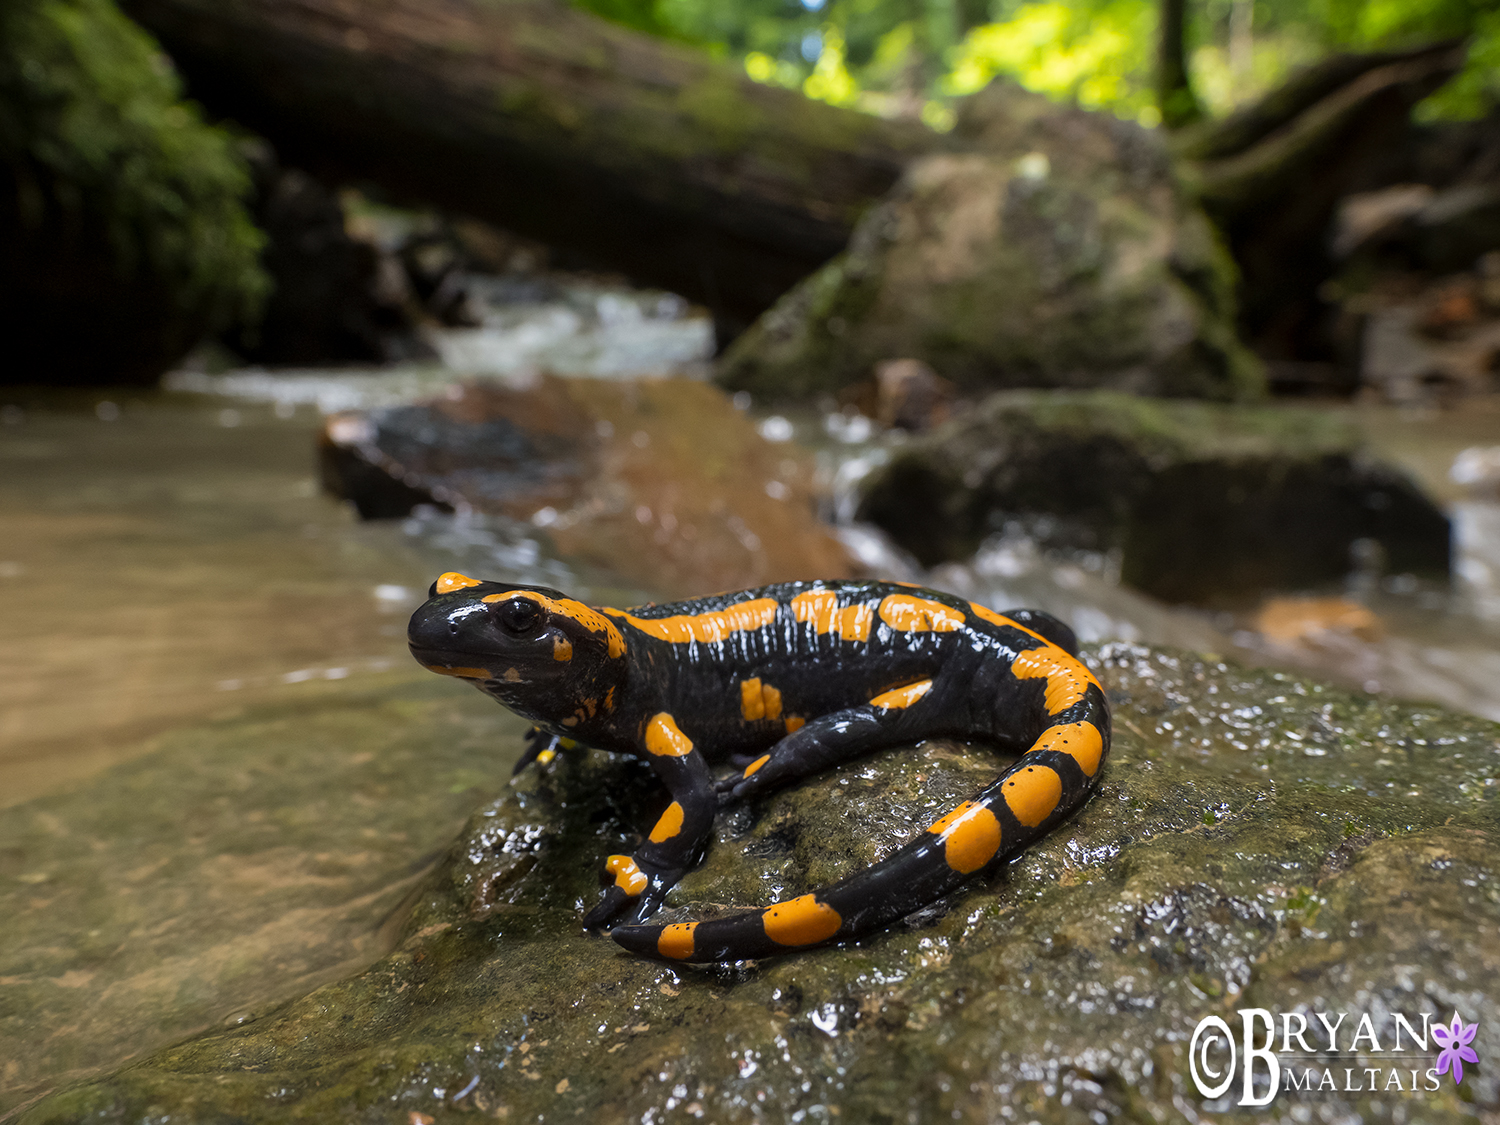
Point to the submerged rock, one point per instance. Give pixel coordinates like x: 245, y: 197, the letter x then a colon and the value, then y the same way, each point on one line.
x: 239, y: 863
x: 1061, y: 251
x: 1205, y: 502
x: 1259, y: 841
x: 662, y: 481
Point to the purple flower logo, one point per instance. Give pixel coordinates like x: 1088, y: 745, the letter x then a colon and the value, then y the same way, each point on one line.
x: 1456, y: 1051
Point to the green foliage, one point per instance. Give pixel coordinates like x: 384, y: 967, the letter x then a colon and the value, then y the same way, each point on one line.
x: 1097, y: 55
x: 638, y: 14
x: 96, y: 138
x: 1477, y: 90
x: 915, y: 56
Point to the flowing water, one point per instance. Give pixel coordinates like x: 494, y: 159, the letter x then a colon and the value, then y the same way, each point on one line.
x: 169, y: 555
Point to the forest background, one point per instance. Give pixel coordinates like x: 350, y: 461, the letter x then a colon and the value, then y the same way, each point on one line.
x: 896, y: 57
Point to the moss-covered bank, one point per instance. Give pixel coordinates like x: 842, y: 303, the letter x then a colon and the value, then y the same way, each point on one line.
x: 123, y: 236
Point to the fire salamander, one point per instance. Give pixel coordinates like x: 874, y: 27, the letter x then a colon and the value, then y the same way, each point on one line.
x: 784, y: 681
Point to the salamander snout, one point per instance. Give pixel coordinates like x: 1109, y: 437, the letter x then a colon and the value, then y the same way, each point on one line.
x: 443, y: 632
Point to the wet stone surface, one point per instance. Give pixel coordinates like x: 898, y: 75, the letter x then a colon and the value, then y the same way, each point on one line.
x: 1259, y: 840
x: 662, y: 481
x: 1203, y: 501
x: 240, y: 862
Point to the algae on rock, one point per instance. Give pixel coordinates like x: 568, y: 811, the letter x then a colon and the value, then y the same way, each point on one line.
x: 1060, y: 250
x: 1259, y: 839
x: 123, y: 234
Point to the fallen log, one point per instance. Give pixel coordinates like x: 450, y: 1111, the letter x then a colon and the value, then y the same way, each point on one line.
x: 633, y: 153
x: 1271, y: 176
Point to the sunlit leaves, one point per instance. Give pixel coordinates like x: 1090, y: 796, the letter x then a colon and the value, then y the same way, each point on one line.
x: 1096, y: 56
x: 914, y: 57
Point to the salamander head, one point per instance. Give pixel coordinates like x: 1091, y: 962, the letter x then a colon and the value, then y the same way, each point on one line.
x: 533, y: 648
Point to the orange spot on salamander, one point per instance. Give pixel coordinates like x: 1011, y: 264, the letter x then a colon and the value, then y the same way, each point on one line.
x: 1072, y: 678
x: 1032, y: 794
x: 668, y: 825
x: 1067, y: 678
x: 705, y: 628
x: 801, y: 921
x: 759, y: 701
x: 562, y: 648
x: 676, y: 941
x: 664, y: 739
x: 628, y: 877
x: 590, y: 618
x: 820, y: 609
x: 1081, y: 741
x: 755, y: 765
x: 913, y: 615
x: 794, y: 723
x: 971, y: 836
x: 461, y: 673
x: 752, y: 706
x: 453, y: 580
x: 902, y: 697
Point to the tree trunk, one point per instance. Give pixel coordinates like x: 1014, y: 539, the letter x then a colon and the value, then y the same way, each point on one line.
x: 1272, y: 175
x: 1174, y: 90
x: 1229, y: 136
x: 637, y: 154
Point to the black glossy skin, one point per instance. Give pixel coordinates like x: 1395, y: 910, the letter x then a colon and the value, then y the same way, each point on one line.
x: 608, y: 682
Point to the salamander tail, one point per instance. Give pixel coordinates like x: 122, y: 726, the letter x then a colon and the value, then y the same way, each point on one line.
x: 1044, y: 786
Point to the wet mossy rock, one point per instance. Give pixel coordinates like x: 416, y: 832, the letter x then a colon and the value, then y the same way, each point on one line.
x: 123, y: 235
x: 1206, y: 502
x: 1059, y: 251
x: 1259, y: 840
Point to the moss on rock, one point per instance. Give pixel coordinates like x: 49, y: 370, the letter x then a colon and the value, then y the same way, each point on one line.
x: 123, y: 235
x: 1259, y: 839
x: 1059, y: 251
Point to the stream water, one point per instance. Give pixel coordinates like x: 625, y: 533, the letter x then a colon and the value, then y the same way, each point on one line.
x: 168, y: 555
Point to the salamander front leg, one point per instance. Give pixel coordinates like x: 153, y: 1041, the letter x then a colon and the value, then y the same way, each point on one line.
x: 541, y: 747
x: 641, y: 880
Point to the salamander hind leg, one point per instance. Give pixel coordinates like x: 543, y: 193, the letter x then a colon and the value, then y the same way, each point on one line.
x: 832, y: 739
x: 1047, y: 783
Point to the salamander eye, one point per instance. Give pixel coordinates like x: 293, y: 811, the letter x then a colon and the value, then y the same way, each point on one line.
x: 518, y: 616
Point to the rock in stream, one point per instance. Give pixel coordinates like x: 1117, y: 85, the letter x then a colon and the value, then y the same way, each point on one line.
x: 1259, y: 840
x: 1059, y: 251
x: 1204, y: 501
x: 662, y: 481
